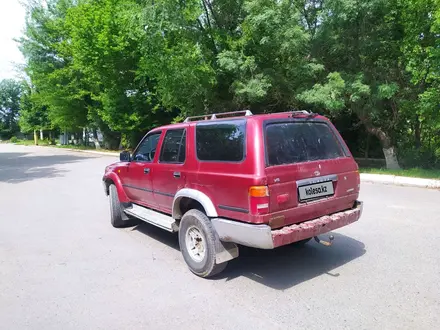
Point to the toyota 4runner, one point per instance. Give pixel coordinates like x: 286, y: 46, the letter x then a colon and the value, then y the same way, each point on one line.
x: 232, y: 179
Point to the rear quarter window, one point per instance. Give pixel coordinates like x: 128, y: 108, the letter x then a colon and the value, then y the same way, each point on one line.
x: 299, y: 142
x: 221, y: 141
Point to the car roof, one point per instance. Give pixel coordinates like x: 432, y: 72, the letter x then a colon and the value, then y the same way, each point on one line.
x: 257, y: 117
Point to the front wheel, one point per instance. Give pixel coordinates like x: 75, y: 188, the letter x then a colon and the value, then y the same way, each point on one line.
x: 197, y: 240
x: 118, y: 218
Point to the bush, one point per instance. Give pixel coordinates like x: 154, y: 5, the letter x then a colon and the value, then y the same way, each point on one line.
x: 422, y: 158
x: 13, y: 139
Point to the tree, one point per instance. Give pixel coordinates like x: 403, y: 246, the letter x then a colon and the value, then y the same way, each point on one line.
x: 10, y: 91
x: 46, y: 47
x: 124, y: 66
x: 105, y: 37
x: 364, y: 66
x: 33, y: 114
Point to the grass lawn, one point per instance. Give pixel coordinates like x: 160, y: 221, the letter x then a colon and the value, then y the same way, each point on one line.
x: 24, y: 142
x: 411, y: 172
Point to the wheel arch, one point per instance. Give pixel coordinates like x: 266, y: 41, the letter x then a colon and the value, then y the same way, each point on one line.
x: 197, y: 196
x: 112, y: 178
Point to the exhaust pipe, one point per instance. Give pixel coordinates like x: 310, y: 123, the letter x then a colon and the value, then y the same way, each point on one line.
x: 325, y: 243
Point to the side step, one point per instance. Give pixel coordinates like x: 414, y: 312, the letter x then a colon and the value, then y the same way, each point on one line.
x: 155, y: 218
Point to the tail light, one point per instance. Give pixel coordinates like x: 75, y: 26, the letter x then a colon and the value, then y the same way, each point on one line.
x: 259, y: 200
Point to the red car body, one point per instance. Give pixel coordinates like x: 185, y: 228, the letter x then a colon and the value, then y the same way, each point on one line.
x: 250, y: 201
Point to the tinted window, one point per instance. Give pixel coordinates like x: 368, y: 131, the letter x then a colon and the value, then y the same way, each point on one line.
x: 288, y: 143
x: 222, y: 141
x: 147, y: 148
x: 174, y: 145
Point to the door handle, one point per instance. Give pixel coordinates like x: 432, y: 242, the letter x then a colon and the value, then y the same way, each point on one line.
x: 176, y: 175
x: 146, y: 170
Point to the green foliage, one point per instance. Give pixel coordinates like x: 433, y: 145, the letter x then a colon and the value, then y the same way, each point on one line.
x: 10, y: 91
x: 329, y: 95
x: 33, y: 113
x: 48, y: 52
x: 13, y: 139
x: 125, y: 66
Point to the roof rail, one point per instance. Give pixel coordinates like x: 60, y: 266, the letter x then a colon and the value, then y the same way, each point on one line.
x: 302, y: 112
x: 216, y: 115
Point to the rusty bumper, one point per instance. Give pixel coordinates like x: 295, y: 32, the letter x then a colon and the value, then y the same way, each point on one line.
x: 263, y: 237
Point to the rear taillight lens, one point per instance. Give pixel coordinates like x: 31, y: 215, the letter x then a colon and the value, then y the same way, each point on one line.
x: 259, y: 200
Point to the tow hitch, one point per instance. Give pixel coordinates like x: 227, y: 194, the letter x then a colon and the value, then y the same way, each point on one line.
x: 325, y: 243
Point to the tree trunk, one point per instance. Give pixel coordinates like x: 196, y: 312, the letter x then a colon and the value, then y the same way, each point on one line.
x: 367, y: 146
x: 95, y: 139
x: 417, y: 133
x: 388, y: 148
x: 41, y: 134
x: 35, y: 137
x: 391, y: 158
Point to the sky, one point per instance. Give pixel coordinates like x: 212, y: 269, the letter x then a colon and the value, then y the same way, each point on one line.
x: 12, y: 19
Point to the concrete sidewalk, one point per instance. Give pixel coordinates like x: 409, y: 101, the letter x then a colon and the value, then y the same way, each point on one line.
x: 400, y: 180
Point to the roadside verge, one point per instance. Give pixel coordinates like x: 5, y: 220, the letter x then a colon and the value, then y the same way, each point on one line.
x: 400, y: 180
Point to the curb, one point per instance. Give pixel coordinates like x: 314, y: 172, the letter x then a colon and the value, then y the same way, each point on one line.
x: 400, y: 181
x: 103, y: 153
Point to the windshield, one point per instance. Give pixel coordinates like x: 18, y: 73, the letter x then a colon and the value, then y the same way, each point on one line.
x: 298, y: 142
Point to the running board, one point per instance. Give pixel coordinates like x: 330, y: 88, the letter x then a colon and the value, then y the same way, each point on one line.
x: 155, y: 218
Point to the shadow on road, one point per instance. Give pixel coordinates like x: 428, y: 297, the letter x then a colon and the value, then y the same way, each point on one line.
x: 280, y: 268
x: 158, y: 234
x: 21, y: 167
x: 288, y: 266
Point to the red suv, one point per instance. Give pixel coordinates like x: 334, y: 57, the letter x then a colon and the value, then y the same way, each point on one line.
x: 237, y: 179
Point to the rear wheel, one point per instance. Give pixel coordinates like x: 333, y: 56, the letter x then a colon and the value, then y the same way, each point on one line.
x: 197, y: 240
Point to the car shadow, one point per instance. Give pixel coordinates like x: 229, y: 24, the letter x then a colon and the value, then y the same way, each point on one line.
x: 290, y: 265
x: 158, y: 234
x: 280, y: 268
x: 20, y: 167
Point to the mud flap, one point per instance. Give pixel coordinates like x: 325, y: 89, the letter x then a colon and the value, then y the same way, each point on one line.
x: 225, y: 251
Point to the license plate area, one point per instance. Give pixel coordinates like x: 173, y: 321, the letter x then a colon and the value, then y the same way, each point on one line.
x: 315, y: 191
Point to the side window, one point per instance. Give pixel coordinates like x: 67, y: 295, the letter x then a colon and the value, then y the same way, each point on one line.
x: 147, y: 148
x: 174, y: 147
x: 222, y: 141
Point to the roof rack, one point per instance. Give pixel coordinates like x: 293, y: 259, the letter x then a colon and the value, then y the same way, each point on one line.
x: 303, y: 112
x: 216, y: 115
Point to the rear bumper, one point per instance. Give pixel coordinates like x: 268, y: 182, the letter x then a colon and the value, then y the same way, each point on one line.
x: 263, y: 237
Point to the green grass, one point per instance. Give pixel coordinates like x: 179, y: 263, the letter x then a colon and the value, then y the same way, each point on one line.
x: 81, y: 147
x: 24, y: 142
x: 411, y: 172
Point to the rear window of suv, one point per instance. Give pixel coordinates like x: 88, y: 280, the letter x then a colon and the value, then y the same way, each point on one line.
x: 299, y: 142
x: 221, y: 141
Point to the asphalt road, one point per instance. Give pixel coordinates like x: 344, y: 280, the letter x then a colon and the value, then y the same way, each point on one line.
x: 62, y: 265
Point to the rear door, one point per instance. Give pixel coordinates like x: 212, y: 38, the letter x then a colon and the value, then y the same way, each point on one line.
x: 169, y: 173
x: 307, y: 163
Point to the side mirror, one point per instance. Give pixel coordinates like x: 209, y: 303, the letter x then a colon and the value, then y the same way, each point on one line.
x: 125, y: 156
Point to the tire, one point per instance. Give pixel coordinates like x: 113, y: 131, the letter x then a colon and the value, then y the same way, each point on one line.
x: 195, y: 223
x: 301, y: 243
x: 118, y: 218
